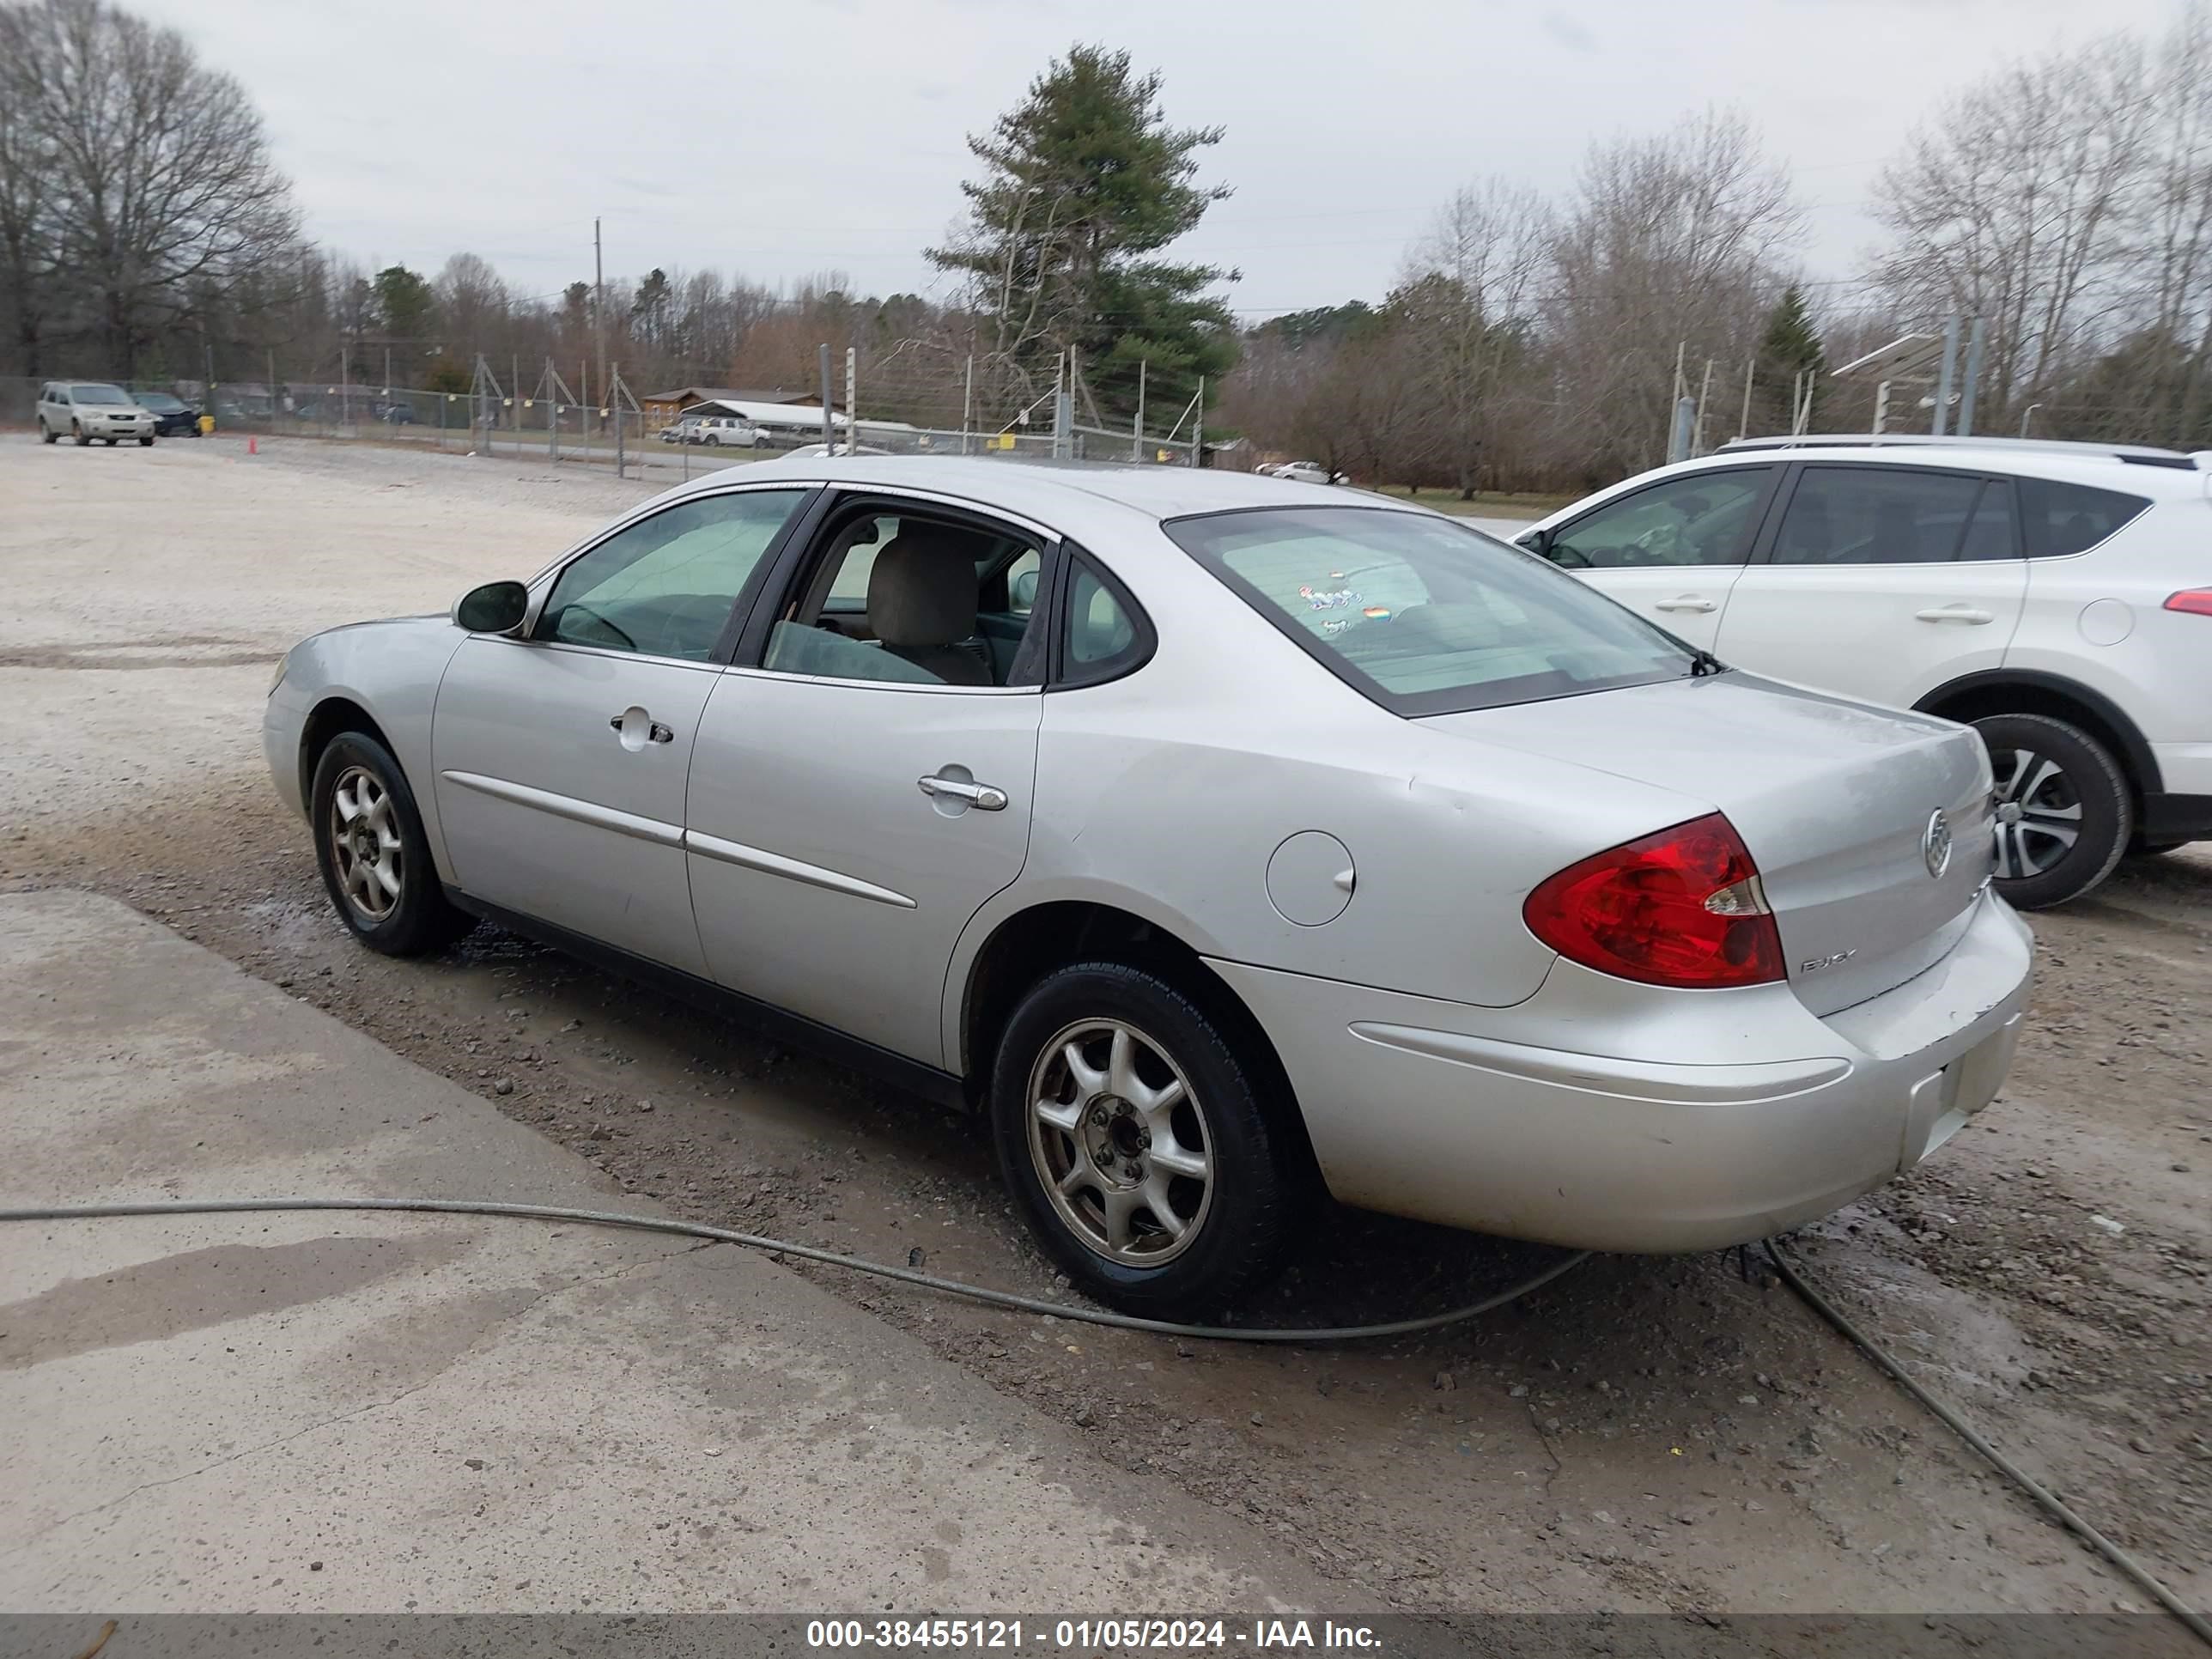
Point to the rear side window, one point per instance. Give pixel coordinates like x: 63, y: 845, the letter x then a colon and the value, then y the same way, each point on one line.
x: 1857, y: 515
x: 2059, y: 518
x: 1423, y: 616
x: 1102, y: 635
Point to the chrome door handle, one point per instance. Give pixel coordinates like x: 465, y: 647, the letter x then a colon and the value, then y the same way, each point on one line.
x: 982, y: 796
x: 655, y: 732
x: 1965, y: 613
x: 1687, y: 602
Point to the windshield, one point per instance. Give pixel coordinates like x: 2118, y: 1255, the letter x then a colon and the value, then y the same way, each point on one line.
x: 1424, y: 616
x: 160, y: 400
x: 93, y: 391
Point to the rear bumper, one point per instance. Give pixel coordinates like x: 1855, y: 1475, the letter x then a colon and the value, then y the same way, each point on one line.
x: 1740, y: 1115
x: 2171, y: 818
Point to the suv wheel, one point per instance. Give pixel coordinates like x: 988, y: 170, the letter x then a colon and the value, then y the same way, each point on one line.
x: 2063, y: 812
x: 374, y: 857
x: 46, y: 433
x: 1132, y: 1135
x: 76, y: 431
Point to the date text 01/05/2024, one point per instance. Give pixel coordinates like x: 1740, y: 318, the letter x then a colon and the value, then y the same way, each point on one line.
x: 1165, y: 1635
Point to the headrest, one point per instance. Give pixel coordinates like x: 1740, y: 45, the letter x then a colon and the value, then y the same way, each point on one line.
x: 922, y: 590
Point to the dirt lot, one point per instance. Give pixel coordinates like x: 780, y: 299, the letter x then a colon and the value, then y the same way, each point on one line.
x: 1648, y: 1434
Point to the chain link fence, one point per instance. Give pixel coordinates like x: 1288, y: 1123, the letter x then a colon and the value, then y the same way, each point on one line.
x: 556, y: 429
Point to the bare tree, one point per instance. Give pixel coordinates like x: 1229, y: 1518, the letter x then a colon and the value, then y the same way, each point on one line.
x: 25, y: 159
x: 160, y: 182
x: 2015, y: 204
x: 1466, y: 293
x: 1678, y: 241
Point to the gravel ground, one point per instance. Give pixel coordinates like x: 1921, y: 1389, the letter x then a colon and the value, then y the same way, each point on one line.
x: 1649, y: 1433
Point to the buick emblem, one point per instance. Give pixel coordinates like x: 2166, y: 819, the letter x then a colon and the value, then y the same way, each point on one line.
x: 1935, y: 845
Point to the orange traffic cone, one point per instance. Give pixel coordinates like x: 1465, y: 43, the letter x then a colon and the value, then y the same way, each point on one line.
x: 252, y: 445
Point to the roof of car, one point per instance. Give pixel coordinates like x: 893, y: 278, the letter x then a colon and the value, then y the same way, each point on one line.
x: 2105, y: 468
x: 1051, y: 491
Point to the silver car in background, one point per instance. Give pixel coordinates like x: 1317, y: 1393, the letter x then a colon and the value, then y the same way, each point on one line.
x: 85, y: 410
x: 1222, y: 840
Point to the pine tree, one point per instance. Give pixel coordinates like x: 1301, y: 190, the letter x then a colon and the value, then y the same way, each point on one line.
x: 1084, y: 182
x: 1790, y: 347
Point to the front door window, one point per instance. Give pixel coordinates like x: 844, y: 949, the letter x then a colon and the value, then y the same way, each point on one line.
x: 665, y: 585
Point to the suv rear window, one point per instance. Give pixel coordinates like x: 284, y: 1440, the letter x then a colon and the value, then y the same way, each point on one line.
x: 1424, y: 616
x: 2059, y: 518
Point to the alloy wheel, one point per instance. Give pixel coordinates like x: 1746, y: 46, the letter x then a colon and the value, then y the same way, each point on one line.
x: 1119, y: 1143
x: 365, y: 844
x: 2039, y: 813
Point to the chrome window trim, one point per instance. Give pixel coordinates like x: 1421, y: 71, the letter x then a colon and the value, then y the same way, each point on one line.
x: 925, y: 690
x: 1045, y: 534
x: 608, y: 651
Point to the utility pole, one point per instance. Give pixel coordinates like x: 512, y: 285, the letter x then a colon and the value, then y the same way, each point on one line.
x: 1966, y: 427
x: 852, y: 397
x: 1705, y: 394
x: 1137, y: 432
x: 1743, y: 425
x: 1950, y: 368
x: 967, y: 403
x: 1198, y: 432
x: 829, y: 429
x: 600, y: 310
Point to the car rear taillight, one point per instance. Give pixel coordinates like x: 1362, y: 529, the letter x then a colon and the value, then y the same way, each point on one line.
x: 2194, y: 601
x: 1682, y: 907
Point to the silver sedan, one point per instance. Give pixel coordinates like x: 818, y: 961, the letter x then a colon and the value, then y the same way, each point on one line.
x: 1223, y: 841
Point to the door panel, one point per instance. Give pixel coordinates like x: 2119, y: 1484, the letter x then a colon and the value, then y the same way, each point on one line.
x: 1672, y: 552
x: 824, y: 879
x: 559, y: 783
x: 1881, y: 583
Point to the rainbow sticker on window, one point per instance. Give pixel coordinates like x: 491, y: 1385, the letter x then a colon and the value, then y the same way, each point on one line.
x: 1375, y: 612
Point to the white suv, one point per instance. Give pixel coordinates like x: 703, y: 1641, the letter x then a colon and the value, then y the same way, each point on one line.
x: 86, y: 409
x: 2056, y: 597
x: 717, y: 430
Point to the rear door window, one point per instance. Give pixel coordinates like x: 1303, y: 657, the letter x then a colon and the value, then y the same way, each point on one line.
x: 2059, y: 518
x: 1859, y: 515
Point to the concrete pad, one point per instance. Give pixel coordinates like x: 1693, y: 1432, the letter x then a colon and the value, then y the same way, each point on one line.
x: 332, y: 1413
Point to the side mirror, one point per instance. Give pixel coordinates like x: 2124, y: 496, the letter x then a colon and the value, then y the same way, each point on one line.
x: 494, y: 608
x: 1538, y: 542
x: 1023, y: 597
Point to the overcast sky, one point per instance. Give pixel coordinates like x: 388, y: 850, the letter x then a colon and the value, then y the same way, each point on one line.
x: 782, y: 138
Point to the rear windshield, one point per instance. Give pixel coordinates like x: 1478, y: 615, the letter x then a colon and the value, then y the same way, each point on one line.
x: 160, y: 400
x: 1424, y: 616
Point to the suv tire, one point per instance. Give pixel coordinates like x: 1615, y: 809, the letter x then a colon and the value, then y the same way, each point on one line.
x: 76, y: 431
x: 376, y: 834
x: 1142, y: 1074
x: 2064, y: 811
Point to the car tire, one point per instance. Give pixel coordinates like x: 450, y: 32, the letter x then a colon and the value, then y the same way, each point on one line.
x: 376, y: 833
x: 146, y: 443
x: 83, y: 437
x: 2064, y: 811
x: 47, y: 434
x: 1242, y: 1191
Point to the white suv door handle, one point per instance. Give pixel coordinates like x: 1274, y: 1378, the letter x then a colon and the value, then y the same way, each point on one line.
x: 1959, y: 613
x: 1686, y: 602
x: 982, y: 796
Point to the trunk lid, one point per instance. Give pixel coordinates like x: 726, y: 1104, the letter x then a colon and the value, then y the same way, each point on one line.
x: 1835, y: 800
